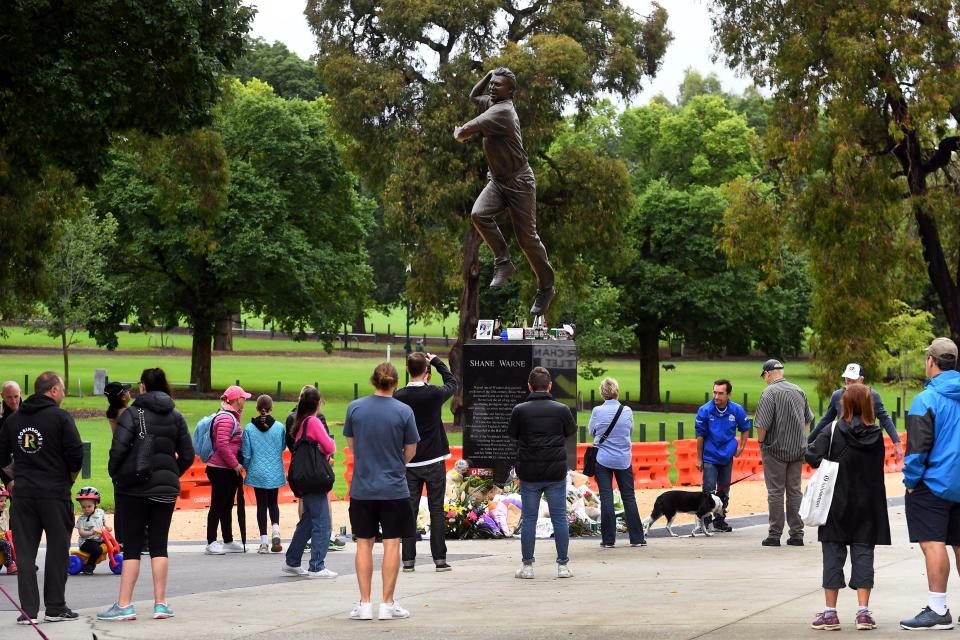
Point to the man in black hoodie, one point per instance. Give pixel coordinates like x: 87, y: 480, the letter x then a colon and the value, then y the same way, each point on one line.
x: 47, y: 456
x: 427, y: 466
x: 541, y: 426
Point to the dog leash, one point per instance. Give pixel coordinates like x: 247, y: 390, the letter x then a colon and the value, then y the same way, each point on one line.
x: 730, y: 484
x: 28, y: 618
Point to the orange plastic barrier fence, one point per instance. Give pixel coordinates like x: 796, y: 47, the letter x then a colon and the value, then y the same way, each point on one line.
x: 651, y: 469
x: 749, y: 462
x: 685, y: 452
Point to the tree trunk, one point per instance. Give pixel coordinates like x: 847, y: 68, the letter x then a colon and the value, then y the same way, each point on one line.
x: 223, y: 338
x: 649, y: 365
x: 200, y: 355
x: 66, y: 357
x: 469, y: 312
x: 937, y: 268
x: 359, y: 322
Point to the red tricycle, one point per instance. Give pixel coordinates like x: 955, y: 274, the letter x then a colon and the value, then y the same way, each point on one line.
x: 109, y: 550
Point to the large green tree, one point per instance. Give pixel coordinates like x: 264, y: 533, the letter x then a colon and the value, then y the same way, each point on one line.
x: 290, y: 75
x: 865, y: 98
x: 73, y: 72
x: 400, y: 73
x: 257, y: 213
x: 679, y: 281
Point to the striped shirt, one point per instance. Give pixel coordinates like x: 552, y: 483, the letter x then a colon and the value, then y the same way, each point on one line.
x: 783, y: 411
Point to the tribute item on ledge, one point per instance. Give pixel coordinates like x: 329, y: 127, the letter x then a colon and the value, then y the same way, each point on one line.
x: 511, y: 187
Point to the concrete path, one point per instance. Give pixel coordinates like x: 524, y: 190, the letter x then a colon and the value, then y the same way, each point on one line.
x: 727, y: 586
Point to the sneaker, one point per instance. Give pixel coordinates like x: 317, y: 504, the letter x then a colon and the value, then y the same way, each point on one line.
x: 362, y: 611
x: 607, y: 546
x: 117, y: 613
x: 12, y: 569
x: 23, y: 620
x: 88, y: 571
x: 525, y: 572
x: 392, y: 611
x: 865, y: 620
x: 323, y: 573
x: 795, y: 541
x: 563, y: 571
x: 336, y: 544
x: 642, y: 543
x: 263, y: 548
x: 60, y: 615
x: 161, y: 611
x: 722, y: 527
x: 215, y: 548
x: 826, y: 621
x: 409, y: 568
x: 233, y: 547
x: 770, y: 541
x: 306, y: 547
x: 296, y: 572
x: 277, y: 547
x: 928, y: 619
x: 443, y: 566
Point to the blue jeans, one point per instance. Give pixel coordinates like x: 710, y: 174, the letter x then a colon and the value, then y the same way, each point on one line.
x: 608, y: 516
x: 718, y: 475
x: 555, y: 494
x: 314, y: 522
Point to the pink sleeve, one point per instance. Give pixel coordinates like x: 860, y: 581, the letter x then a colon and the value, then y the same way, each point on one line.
x: 316, y: 433
x: 226, y: 449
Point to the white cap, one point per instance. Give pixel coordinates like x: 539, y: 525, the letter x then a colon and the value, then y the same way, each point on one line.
x: 853, y: 371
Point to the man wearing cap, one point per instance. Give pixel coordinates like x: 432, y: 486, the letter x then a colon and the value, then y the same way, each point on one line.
x: 853, y: 374
x: 932, y: 478
x: 783, y: 416
x: 224, y: 471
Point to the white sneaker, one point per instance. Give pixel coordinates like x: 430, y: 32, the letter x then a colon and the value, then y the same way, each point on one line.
x: 392, y: 611
x: 362, y: 611
x: 263, y: 548
x: 323, y: 573
x: 295, y: 572
x: 215, y: 548
x: 525, y: 572
x: 233, y: 547
x: 563, y: 571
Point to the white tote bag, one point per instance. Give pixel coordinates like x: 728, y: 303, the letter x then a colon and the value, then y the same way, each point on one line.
x: 818, y: 495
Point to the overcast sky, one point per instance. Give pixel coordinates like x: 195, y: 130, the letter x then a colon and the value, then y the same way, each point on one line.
x: 689, y: 22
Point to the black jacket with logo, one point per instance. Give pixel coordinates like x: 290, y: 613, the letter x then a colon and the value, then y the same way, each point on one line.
x: 427, y: 403
x: 172, y: 446
x: 46, y: 449
x: 541, y: 426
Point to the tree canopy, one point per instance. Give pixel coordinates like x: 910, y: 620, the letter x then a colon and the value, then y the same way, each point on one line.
x: 256, y: 213
x: 865, y: 101
x: 290, y: 75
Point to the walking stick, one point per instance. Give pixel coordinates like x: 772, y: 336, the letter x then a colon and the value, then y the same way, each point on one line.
x: 24, y: 613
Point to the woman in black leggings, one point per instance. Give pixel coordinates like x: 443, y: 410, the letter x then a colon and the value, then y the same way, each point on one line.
x: 148, y: 504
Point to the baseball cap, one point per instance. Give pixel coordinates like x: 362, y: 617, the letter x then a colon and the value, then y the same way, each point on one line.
x: 771, y: 365
x: 233, y: 392
x: 942, y: 348
x: 114, y: 390
x: 852, y: 372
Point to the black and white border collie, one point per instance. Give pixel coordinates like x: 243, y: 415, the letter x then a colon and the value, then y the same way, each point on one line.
x: 699, y: 504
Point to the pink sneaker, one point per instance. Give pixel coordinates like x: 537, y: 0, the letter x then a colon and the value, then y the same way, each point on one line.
x: 12, y: 569
x: 865, y: 620
x: 826, y: 621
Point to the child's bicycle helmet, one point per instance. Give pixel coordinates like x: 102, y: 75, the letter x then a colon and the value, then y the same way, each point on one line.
x: 88, y: 493
x: 4, y: 493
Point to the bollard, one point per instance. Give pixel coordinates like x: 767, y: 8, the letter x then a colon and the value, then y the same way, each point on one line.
x: 666, y: 404
x: 752, y: 435
x: 663, y: 432
x: 85, y: 465
x: 643, y: 432
x: 26, y: 383
x: 238, y: 382
x: 388, y: 329
x: 894, y: 418
x: 706, y: 397
x: 356, y: 391
x: 592, y: 399
x: 316, y: 385
x: 679, y: 430
x: 583, y: 434
x: 898, y: 405
x: 820, y: 410
x: 279, y: 391
x: 745, y: 401
x: 628, y: 397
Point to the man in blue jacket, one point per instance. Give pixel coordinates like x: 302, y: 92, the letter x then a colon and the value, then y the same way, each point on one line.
x: 932, y: 477
x: 717, y: 424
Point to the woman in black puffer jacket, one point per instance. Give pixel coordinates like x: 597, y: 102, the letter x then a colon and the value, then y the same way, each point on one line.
x: 148, y: 504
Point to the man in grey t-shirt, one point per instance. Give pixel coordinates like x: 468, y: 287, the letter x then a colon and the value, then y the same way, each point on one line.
x: 783, y: 417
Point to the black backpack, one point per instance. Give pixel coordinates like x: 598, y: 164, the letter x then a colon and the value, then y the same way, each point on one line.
x: 310, y: 471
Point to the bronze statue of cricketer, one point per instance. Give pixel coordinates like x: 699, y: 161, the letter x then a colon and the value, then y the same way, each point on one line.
x: 512, y: 186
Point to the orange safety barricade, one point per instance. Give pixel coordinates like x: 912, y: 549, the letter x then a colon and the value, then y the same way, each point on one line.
x: 348, y: 466
x: 749, y: 462
x: 456, y: 453
x: 651, y: 468
x: 685, y: 452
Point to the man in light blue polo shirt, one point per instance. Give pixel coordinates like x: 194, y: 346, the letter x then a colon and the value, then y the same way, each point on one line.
x: 717, y: 424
